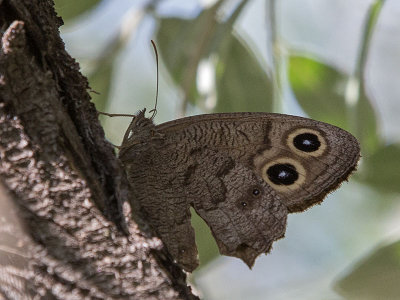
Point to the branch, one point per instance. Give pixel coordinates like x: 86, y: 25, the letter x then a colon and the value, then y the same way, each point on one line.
x: 65, y: 222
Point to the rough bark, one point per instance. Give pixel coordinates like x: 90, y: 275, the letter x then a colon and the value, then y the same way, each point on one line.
x: 65, y: 225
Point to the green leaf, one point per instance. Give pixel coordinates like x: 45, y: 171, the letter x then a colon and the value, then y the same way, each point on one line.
x: 100, y: 82
x: 317, y: 89
x: 68, y: 9
x: 206, y: 245
x: 320, y: 91
x: 375, y: 277
x: 242, y: 84
x: 366, y: 128
x: 183, y: 43
x: 382, y: 169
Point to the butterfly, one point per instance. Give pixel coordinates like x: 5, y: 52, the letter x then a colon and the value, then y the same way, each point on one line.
x: 243, y: 173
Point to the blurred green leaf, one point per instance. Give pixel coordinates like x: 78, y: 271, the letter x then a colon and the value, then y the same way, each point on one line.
x: 375, y: 277
x: 366, y: 128
x: 381, y: 170
x: 242, y: 84
x: 320, y: 90
x: 100, y: 82
x: 362, y: 120
x: 206, y: 245
x: 68, y: 9
x: 177, y: 40
x: 183, y: 44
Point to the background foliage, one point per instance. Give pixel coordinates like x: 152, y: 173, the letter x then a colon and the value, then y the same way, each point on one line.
x: 334, y: 61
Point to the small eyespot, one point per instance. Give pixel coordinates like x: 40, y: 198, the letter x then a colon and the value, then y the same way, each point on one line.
x: 256, y: 192
x: 307, y: 142
x: 244, y: 204
x: 283, y: 174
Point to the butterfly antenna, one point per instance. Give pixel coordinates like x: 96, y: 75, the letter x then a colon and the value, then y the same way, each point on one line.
x: 154, y: 110
x: 115, y: 115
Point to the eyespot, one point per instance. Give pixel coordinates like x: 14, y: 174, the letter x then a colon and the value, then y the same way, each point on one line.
x: 285, y: 174
x: 256, y: 192
x: 307, y: 142
x: 244, y: 204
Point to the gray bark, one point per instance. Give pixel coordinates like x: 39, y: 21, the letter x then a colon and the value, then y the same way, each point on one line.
x: 66, y: 230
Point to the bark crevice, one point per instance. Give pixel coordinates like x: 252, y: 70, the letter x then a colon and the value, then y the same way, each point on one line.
x: 65, y: 230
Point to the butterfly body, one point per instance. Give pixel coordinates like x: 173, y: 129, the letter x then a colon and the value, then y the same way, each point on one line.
x: 242, y: 173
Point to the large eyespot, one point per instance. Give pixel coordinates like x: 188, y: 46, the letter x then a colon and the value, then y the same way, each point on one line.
x: 284, y: 174
x: 307, y: 142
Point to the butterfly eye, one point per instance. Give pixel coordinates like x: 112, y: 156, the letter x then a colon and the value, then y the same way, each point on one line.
x: 307, y: 142
x: 282, y: 174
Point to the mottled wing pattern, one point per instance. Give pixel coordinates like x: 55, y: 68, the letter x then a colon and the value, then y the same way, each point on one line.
x: 157, y: 189
x: 244, y: 213
x: 301, y: 159
x: 242, y: 173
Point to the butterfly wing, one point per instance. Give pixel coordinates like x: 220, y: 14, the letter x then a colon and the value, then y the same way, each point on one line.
x: 155, y: 177
x: 301, y: 159
x: 244, y: 213
x: 242, y: 173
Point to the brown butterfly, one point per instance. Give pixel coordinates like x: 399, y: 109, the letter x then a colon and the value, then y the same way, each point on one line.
x: 242, y: 173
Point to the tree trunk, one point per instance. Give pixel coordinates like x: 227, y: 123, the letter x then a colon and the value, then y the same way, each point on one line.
x: 65, y: 221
